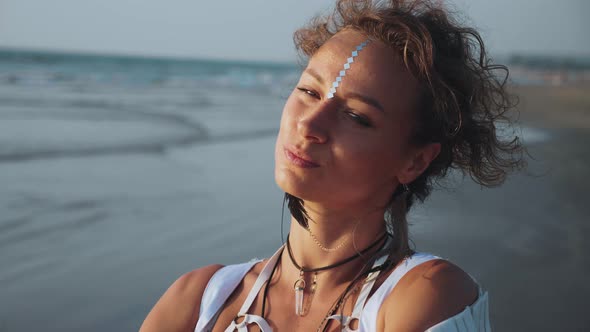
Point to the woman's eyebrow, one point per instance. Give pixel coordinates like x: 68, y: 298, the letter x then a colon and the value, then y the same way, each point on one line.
x: 351, y: 95
x: 315, y: 75
x: 365, y: 99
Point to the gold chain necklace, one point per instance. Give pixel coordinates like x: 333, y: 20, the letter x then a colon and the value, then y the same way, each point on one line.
x: 326, y: 249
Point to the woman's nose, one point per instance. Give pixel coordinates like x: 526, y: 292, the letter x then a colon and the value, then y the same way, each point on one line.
x: 314, y: 123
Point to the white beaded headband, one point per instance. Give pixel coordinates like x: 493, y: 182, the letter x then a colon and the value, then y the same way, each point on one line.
x: 342, y: 73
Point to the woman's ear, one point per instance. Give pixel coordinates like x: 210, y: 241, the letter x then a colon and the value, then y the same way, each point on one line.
x: 419, y: 160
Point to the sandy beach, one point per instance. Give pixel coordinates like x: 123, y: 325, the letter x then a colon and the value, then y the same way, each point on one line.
x: 89, y: 242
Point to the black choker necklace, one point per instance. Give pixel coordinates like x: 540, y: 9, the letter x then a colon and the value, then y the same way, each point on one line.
x: 299, y: 285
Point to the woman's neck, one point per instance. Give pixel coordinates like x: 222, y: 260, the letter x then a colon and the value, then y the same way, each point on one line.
x: 332, y: 236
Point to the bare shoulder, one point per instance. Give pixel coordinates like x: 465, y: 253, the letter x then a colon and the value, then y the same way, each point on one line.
x: 428, y: 294
x: 178, y: 308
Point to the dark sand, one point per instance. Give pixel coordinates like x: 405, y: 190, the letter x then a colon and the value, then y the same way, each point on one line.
x: 527, y: 241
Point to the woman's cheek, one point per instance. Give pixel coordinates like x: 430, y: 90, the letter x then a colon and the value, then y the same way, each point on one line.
x: 289, y: 114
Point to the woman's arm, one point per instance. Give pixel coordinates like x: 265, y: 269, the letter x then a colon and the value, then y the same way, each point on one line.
x: 178, y: 309
x: 428, y: 294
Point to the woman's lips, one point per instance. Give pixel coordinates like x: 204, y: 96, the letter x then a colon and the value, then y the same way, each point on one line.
x: 299, y: 161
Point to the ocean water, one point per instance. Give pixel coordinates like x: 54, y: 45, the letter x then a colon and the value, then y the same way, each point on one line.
x: 65, y: 104
x: 118, y: 174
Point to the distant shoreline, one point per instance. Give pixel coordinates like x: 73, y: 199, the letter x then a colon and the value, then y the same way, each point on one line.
x: 544, y: 106
x: 139, y: 57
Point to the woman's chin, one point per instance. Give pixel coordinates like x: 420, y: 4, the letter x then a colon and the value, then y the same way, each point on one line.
x: 287, y: 182
x: 296, y: 186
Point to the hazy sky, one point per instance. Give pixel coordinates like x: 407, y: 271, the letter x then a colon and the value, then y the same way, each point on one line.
x: 260, y: 29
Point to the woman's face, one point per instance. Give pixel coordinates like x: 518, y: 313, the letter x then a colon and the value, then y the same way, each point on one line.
x: 351, y: 149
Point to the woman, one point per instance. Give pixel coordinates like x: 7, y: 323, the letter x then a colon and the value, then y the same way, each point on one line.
x: 393, y: 95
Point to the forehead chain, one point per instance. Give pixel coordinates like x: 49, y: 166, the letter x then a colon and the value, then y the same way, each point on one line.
x: 342, y: 73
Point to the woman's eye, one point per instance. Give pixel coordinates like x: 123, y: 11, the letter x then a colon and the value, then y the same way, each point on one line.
x: 357, y: 118
x: 361, y: 120
x: 309, y: 92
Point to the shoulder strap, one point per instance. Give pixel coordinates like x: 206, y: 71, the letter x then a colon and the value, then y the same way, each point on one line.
x: 346, y: 321
x: 359, y: 305
x: 219, y: 288
x: 369, y: 316
x: 262, y: 278
x: 248, y: 319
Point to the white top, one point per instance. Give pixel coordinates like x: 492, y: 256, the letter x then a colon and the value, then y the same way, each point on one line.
x: 222, y: 284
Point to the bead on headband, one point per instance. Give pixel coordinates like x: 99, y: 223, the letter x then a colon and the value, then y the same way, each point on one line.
x: 342, y: 73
